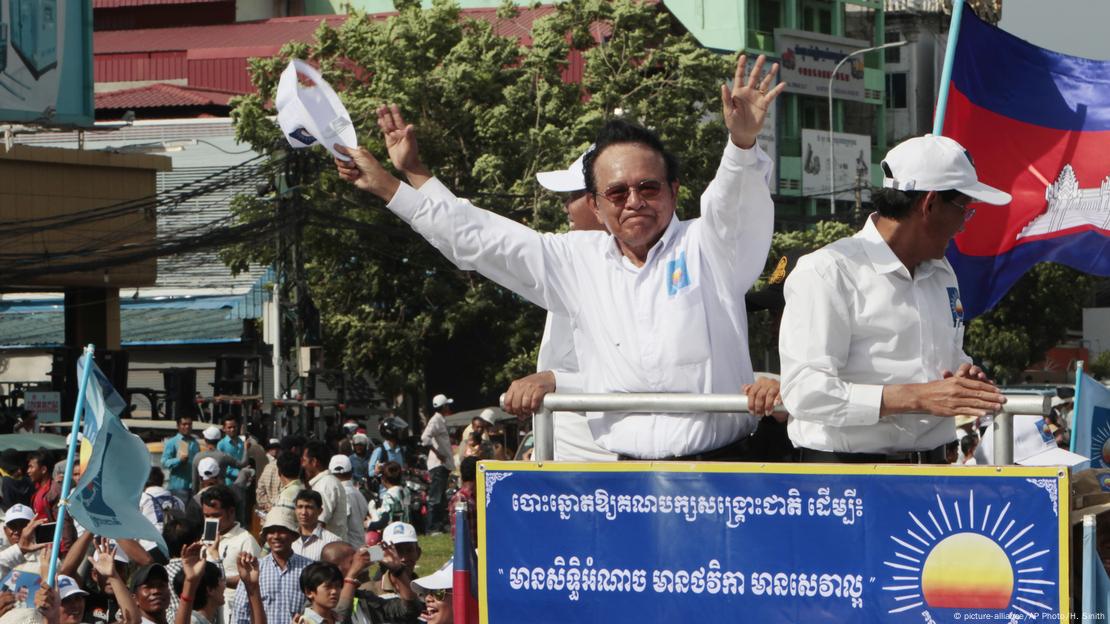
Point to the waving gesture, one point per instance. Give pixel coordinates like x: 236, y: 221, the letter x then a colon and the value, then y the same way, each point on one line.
x: 192, y: 563
x: 248, y: 569
x: 747, y: 103
x: 104, y: 558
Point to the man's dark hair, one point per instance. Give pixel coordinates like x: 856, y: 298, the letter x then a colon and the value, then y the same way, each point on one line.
x: 209, y: 579
x: 616, y: 131
x: 468, y: 469
x: 182, y: 414
x: 42, y: 458
x: 288, y: 464
x: 292, y: 443
x: 311, y: 496
x: 230, y: 417
x: 179, y: 531
x: 156, y: 477
x: 319, y: 451
x: 391, y: 473
x: 218, y: 493
x: 316, y: 574
x: 896, y: 205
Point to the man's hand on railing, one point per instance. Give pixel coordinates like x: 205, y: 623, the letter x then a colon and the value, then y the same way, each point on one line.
x: 525, y: 395
x: 763, y: 396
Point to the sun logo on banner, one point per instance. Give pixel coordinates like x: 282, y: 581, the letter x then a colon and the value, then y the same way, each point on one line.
x: 1100, y: 442
x: 957, y: 557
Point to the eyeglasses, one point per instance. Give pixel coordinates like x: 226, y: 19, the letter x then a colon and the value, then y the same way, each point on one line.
x: 968, y: 211
x: 618, y: 193
x: 440, y: 594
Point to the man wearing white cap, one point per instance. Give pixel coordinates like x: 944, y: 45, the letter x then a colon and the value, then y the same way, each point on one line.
x: 212, y: 436
x: 440, y: 462
x: 873, y: 367
x: 19, y: 527
x: 340, y: 468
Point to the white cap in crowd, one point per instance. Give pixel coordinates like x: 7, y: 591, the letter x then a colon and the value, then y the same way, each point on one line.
x: 68, y: 587
x: 440, y: 400
x: 443, y: 578
x: 360, y: 438
x: 280, y: 516
x: 937, y: 163
x: 18, y: 512
x: 213, y: 433
x: 567, y: 180
x: 339, y: 464
x: 399, y: 533
x: 208, y: 467
x: 487, y: 415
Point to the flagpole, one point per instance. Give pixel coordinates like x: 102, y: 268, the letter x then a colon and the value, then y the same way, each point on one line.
x: 1075, y: 403
x: 72, y: 453
x: 949, y: 60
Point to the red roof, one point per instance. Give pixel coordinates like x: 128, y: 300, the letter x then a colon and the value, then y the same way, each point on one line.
x: 120, y: 4
x: 161, y: 95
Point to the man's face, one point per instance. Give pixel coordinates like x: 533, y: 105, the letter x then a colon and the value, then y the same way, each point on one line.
x: 437, y: 607
x: 360, y: 449
x: 624, y: 175
x: 14, y: 529
x: 581, y: 216
x: 225, y: 516
x: 231, y: 428
x: 73, y: 608
x: 307, y: 463
x: 153, y: 596
x: 308, y: 514
x: 409, y: 553
x: 185, y: 426
x: 280, y: 541
x: 946, y: 219
x: 326, y: 594
x: 477, y: 425
x: 36, y: 471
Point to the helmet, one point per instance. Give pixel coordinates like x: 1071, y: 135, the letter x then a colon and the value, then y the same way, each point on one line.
x: 393, y: 427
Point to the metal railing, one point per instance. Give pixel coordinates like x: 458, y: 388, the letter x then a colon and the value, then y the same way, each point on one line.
x: 543, y: 425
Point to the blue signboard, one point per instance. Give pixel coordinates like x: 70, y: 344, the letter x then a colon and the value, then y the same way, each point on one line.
x: 644, y: 542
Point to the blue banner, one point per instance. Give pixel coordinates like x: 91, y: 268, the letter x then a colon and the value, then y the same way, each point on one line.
x: 640, y: 542
x: 1090, y: 421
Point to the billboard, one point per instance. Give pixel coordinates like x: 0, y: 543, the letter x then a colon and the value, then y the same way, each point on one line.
x: 807, y: 61
x: 682, y: 542
x: 46, y: 62
x: 851, y: 160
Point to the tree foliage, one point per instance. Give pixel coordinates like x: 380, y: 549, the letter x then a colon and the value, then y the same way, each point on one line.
x: 489, y: 114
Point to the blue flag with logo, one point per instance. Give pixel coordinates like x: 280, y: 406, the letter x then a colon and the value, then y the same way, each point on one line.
x: 1090, y: 422
x: 100, y: 398
x: 106, y: 499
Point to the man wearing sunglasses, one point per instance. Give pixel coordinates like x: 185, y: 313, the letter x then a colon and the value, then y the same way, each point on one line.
x: 873, y: 367
x: 658, y: 303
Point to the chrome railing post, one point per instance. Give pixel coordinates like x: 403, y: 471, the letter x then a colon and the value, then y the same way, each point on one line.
x: 543, y: 430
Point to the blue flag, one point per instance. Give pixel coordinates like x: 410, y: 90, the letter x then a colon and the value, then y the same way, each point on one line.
x: 106, y: 499
x: 100, y: 399
x: 1090, y: 422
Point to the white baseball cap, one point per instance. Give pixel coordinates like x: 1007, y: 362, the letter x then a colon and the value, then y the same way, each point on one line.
x: 213, y: 433
x: 18, y: 512
x: 487, y: 415
x: 1032, y: 446
x: 339, y: 464
x: 208, y: 467
x: 310, y: 114
x: 937, y: 163
x: 360, y: 438
x: 443, y: 578
x: 399, y: 533
x: 440, y: 400
x: 568, y: 180
x: 68, y: 587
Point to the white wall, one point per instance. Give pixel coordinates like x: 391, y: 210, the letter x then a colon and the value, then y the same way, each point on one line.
x: 1096, y: 330
x: 1076, y: 27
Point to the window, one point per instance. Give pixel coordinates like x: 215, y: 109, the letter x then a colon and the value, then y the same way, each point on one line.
x: 814, y: 112
x: 763, y: 17
x: 896, y: 96
x: 817, y: 16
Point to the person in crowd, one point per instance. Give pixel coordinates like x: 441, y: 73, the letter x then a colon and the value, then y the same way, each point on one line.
x: 150, y: 588
x: 19, y: 530
x: 873, y: 369
x: 200, y: 586
x: 360, y: 458
x: 357, y: 507
x: 279, y: 573
x: 968, y: 444
x: 436, y: 590
x: 234, y: 447
x: 15, y: 487
x: 39, y: 469
x: 358, y: 603
x: 467, y: 493
x: 269, y: 483
x: 210, y: 475
x: 109, y: 598
x: 289, y: 471
x: 209, y: 449
x: 179, y: 532
x: 219, y: 502
x: 156, y: 501
x: 314, y: 463
x: 392, y: 429
x: 478, y: 446
x: 321, y: 583
x: 401, y: 552
x: 694, y: 336
x: 71, y: 600
x: 394, y: 503
x: 178, y: 453
x: 250, y: 573
x: 28, y: 422
x: 313, y: 536
x: 441, y: 462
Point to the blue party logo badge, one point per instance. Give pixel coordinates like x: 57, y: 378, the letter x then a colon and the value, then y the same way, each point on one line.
x: 677, y: 276
x: 956, y: 307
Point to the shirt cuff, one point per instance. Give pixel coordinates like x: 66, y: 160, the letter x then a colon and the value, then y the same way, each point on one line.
x: 435, y: 189
x: 406, y: 201
x: 864, y: 403
x: 741, y: 157
x: 567, y: 381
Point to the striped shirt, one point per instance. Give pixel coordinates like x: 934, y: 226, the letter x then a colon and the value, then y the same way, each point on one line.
x: 312, y: 546
x: 281, y: 591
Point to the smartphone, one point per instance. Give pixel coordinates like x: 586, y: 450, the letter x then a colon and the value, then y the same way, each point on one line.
x: 44, y: 533
x: 376, y: 553
x: 211, y: 530
x: 311, y: 617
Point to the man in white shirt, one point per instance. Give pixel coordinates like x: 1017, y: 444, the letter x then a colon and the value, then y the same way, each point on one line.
x: 313, y: 536
x: 314, y: 463
x: 357, y: 507
x: 873, y: 367
x: 658, y: 302
x: 440, y: 462
x: 218, y: 502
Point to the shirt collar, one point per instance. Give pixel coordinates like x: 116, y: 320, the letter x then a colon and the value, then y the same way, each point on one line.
x: 878, y: 251
x: 613, y: 248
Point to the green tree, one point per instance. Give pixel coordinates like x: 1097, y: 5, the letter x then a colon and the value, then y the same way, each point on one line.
x: 489, y: 113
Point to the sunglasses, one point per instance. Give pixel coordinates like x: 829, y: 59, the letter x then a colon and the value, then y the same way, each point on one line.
x: 618, y: 193
x: 440, y: 594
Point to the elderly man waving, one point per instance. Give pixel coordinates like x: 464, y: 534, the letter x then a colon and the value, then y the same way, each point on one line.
x: 658, y: 302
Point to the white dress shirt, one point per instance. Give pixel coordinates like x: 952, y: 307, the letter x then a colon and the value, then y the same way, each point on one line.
x: 357, y: 508
x: 676, y: 324
x: 436, y: 436
x: 334, y: 514
x: 855, y: 321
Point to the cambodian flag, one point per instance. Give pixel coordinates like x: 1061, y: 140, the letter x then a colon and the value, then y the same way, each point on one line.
x: 465, y: 590
x: 1037, y: 124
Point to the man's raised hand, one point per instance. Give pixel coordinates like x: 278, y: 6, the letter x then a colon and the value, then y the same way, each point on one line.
x: 746, y: 104
x: 400, y: 142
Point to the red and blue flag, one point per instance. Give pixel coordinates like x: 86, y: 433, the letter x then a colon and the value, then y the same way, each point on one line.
x: 1037, y: 124
x: 465, y: 587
